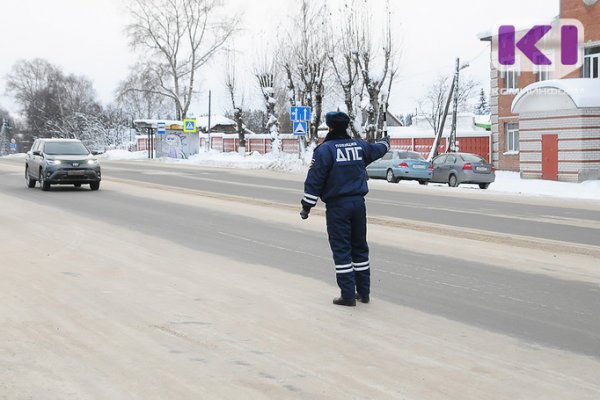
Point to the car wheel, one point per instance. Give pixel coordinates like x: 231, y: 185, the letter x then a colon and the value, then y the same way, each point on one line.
x: 43, y: 184
x: 77, y: 185
x: 453, y: 181
x: 95, y: 185
x: 424, y: 183
x: 30, y: 182
x: 484, y: 186
x: 390, y: 177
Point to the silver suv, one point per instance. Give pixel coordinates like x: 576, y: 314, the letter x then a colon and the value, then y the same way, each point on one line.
x: 61, y: 162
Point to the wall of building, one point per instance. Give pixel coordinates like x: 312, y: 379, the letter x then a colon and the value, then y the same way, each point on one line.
x: 508, y: 162
x: 501, y: 101
x: 578, y: 143
x: 588, y: 15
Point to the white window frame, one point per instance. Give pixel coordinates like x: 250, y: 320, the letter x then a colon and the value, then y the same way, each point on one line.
x: 511, y: 79
x: 543, y: 72
x: 588, y: 61
x: 512, y: 138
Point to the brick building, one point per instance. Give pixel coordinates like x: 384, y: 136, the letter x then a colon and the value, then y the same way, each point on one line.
x: 505, y: 86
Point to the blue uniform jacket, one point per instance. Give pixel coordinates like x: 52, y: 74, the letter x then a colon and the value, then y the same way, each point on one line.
x: 338, y: 169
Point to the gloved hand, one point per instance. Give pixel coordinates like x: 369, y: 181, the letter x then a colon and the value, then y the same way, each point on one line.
x: 304, y: 213
x: 385, y: 139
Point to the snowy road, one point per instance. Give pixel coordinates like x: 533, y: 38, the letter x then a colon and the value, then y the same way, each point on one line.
x: 574, y: 221
x: 209, y: 290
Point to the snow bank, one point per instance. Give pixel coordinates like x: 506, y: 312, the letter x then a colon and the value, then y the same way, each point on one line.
x: 511, y: 182
x: 283, y: 162
x: 124, y: 155
x: 17, y: 156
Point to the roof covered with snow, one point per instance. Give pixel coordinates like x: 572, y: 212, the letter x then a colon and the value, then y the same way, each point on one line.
x: 201, y: 122
x: 559, y: 94
x: 466, y: 126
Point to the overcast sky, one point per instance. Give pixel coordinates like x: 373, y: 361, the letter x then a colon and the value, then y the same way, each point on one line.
x: 86, y: 37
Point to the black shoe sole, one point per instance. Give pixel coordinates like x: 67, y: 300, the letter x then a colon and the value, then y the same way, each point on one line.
x: 361, y: 299
x: 342, y: 302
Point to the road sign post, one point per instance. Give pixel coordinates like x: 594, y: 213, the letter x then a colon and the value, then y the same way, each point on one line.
x: 300, y: 116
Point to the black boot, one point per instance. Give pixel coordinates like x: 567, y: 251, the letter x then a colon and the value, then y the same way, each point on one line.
x: 363, y: 299
x: 340, y: 301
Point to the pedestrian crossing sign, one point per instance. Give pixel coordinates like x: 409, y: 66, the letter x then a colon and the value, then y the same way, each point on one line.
x: 300, y: 128
x: 189, y: 126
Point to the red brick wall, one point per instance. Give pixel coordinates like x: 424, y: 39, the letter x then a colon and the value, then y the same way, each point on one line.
x: 509, y: 162
x: 588, y: 15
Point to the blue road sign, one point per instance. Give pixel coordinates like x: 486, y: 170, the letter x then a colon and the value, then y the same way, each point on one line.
x: 189, y: 125
x: 300, y: 128
x: 161, y: 128
x: 13, y: 147
x: 299, y: 114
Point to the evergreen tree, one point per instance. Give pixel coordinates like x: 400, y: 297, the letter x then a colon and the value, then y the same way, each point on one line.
x: 482, y: 107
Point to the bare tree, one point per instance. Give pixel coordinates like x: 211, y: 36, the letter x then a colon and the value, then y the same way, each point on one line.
x: 54, y: 103
x: 181, y: 36
x: 138, y: 95
x: 306, y: 61
x: 232, y: 89
x: 29, y: 83
x: 377, y: 77
x: 345, y: 69
x: 432, y: 106
x: 265, y: 72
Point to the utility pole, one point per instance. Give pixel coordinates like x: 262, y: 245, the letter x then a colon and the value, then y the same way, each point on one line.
x: 209, y: 112
x: 385, y: 107
x: 452, y: 147
x: 453, y: 95
x: 436, y: 143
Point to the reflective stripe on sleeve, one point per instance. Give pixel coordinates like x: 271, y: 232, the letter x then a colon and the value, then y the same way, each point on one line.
x: 309, y: 201
x: 310, y: 196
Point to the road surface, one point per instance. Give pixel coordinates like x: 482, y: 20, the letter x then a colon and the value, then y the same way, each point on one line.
x: 187, y: 282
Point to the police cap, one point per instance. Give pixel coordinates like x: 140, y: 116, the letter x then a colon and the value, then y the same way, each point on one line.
x: 337, y: 120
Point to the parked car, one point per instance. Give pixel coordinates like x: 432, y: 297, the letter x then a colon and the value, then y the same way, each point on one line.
x: 457, y: 168
x: 401, y: 165
x: 61, y: 162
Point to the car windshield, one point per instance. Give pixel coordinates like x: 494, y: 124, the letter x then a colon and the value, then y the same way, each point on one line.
x: 66, y: 148
x: 409, y: 155
x: 472, y: 158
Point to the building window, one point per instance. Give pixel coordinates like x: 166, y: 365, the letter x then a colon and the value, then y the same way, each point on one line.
x: 511, y: 80
x: 542, y: 72
x: 591, y: 62
x: 512, y: 138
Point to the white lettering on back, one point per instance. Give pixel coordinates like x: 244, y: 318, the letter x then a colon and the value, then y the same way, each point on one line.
x: 349, y: 154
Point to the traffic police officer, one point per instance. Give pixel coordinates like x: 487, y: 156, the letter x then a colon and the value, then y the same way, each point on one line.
x: 337, y: 175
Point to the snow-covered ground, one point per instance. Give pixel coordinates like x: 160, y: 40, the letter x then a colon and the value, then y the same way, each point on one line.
x: 506, y: 182
x: 285, y: 162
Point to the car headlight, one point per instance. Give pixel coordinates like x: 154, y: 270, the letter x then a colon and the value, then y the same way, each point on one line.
x: 93, y: 162
x: 54, y: 162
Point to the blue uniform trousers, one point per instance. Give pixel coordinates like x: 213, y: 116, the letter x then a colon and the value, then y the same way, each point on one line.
x: 347, y: 230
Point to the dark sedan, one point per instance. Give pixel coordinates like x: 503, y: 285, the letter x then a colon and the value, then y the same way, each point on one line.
x: 457, y: 168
